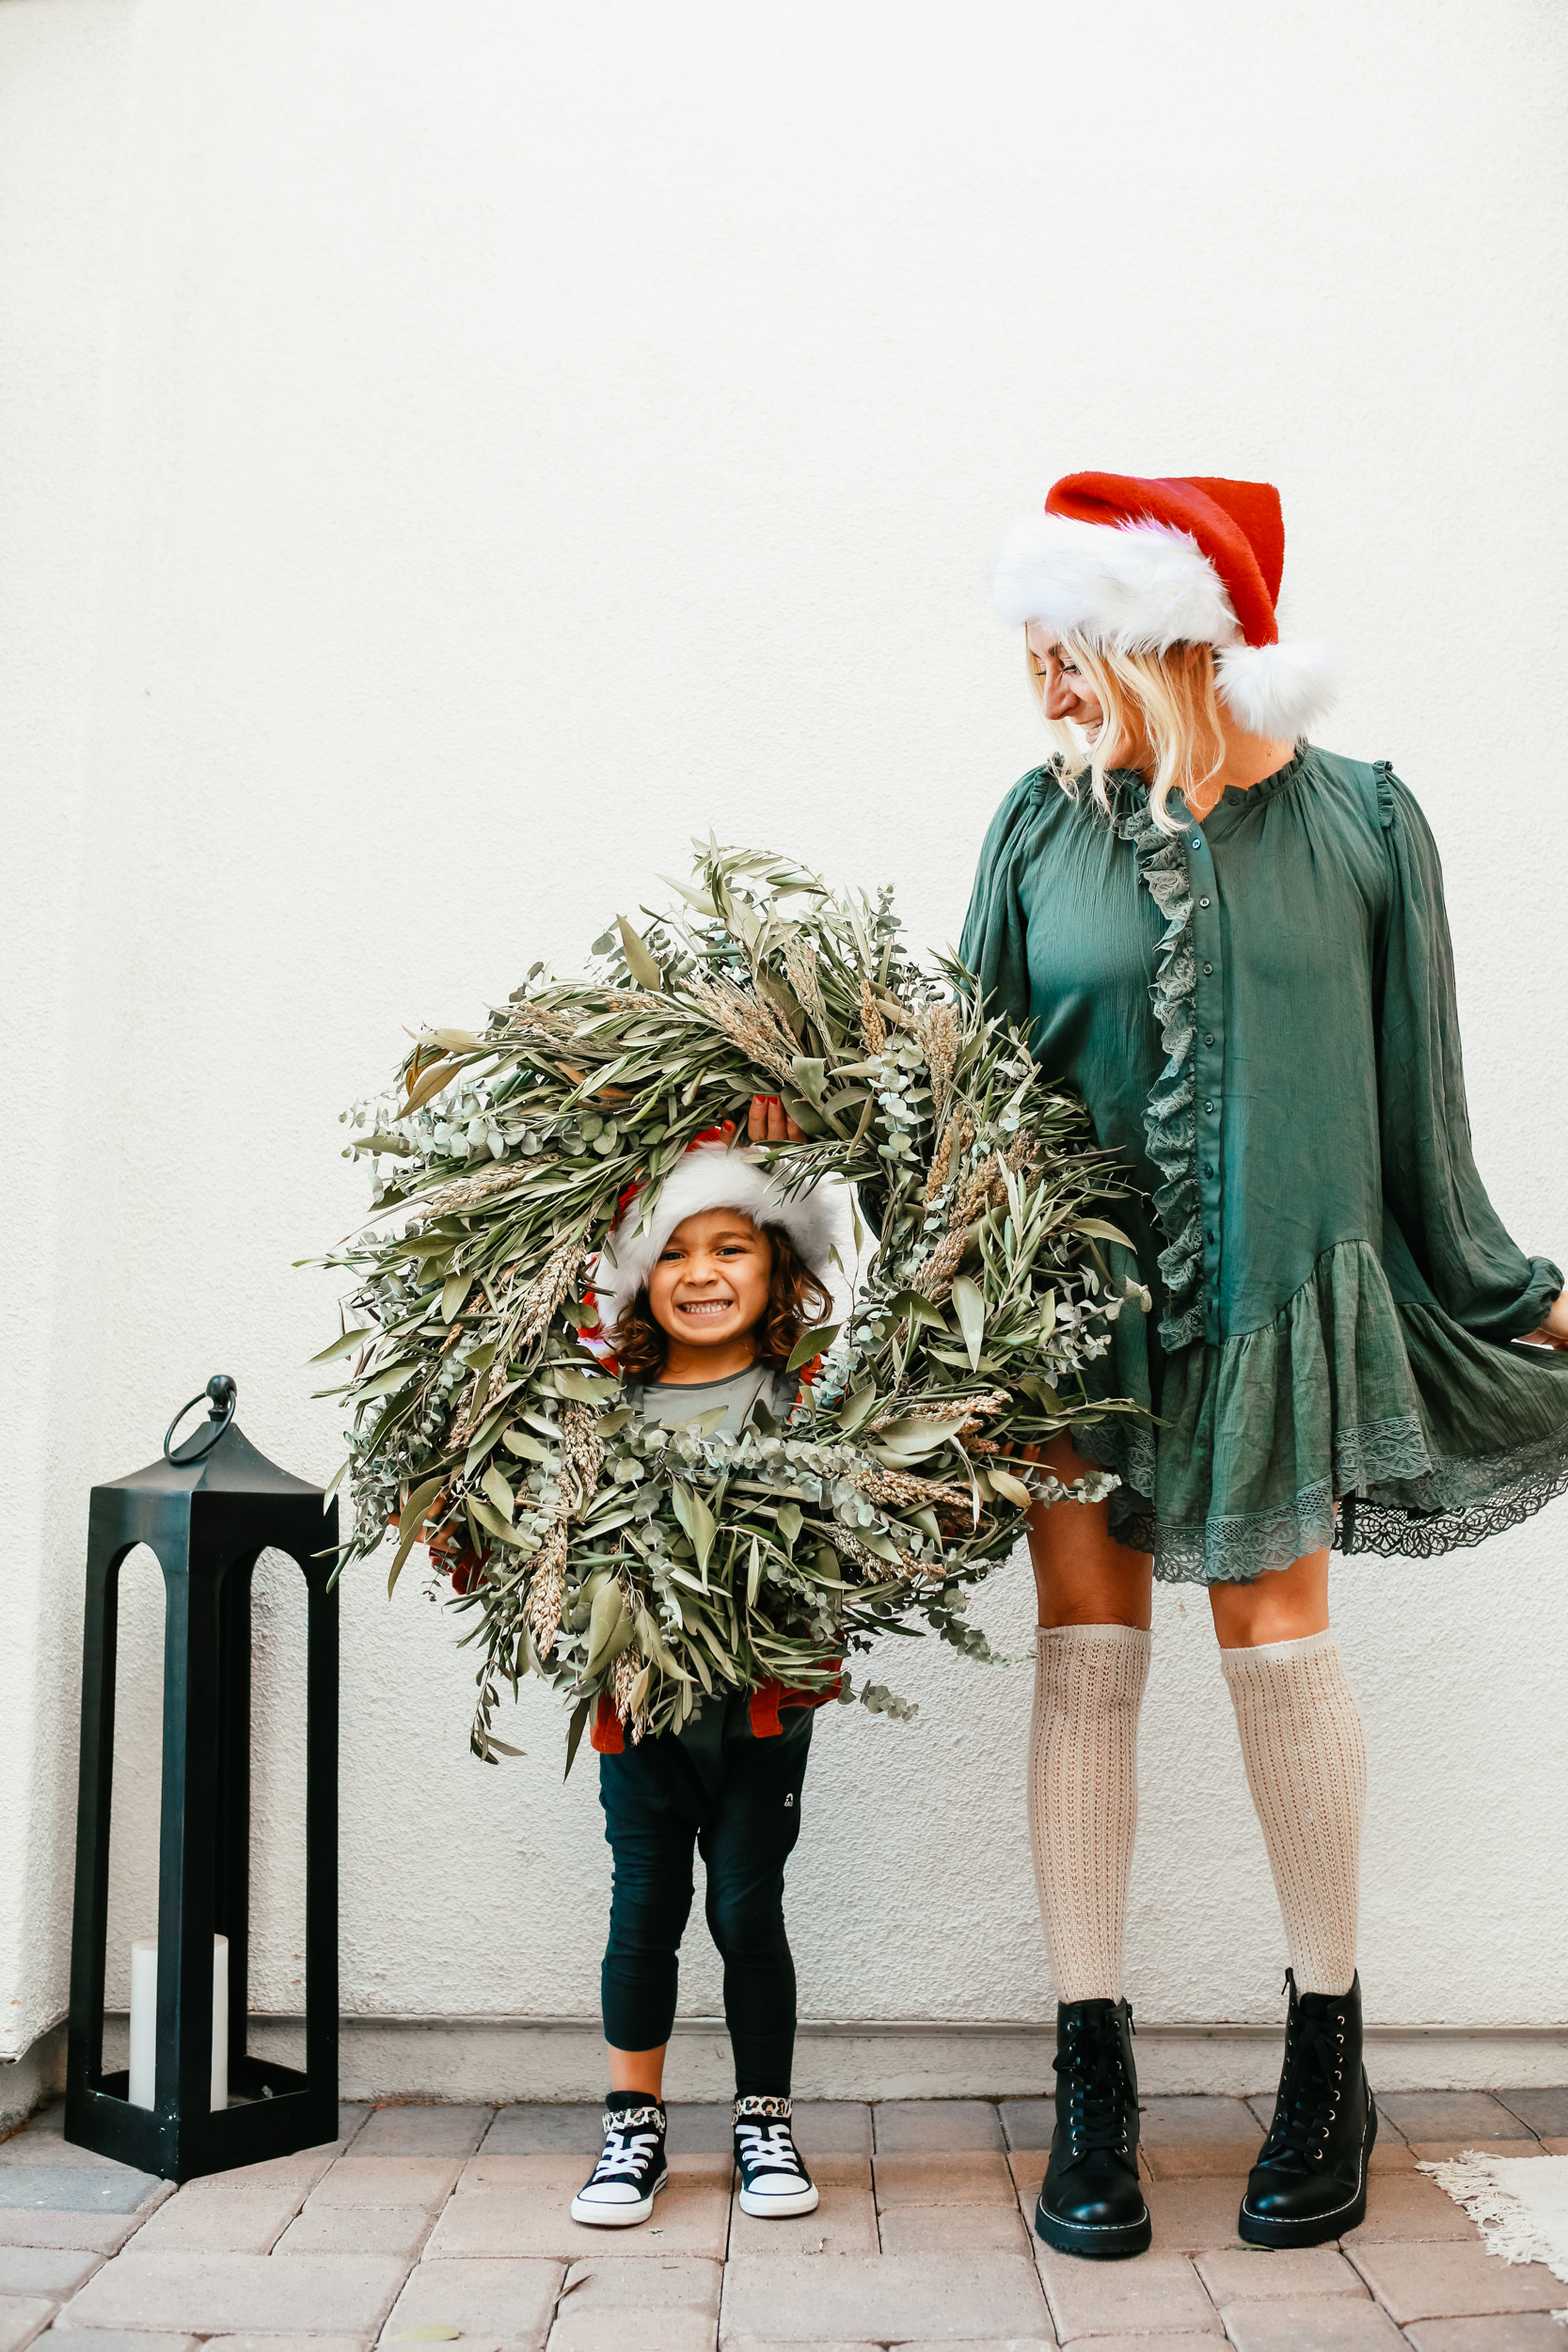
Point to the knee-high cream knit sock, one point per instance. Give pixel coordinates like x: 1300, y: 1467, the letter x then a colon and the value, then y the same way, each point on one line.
x: 1084, y: 1796
x: 1306, y: 1767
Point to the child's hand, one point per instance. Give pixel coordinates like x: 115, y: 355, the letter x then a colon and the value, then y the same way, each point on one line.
x: 767, y: 1122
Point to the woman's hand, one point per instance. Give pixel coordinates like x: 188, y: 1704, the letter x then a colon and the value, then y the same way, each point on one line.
x: 1552, y: 1333
x: 769, y: 1123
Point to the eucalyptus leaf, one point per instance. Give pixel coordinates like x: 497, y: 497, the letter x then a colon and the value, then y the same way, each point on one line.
x: 500, y: 1492
x: 1098, y: 1229
x: 411, y: 1526
x: 610, y: 1609
x: 640, y: 963
x: 812, y: 1343
x: 970, y: 1305
x: 341, y: 1346
x: 490, y: 1519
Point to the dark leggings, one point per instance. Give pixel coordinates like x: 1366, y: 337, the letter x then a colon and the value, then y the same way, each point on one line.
x: 738, y: 1800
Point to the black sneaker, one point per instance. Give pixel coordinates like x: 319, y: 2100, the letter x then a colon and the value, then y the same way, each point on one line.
x: 631, y: 2171
x: 773, y: 2178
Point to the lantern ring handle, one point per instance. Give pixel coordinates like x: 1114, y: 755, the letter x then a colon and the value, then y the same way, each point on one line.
x: 221, y: 1394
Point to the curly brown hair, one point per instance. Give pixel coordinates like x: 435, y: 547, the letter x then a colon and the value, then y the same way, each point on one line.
x: 797, y: 1299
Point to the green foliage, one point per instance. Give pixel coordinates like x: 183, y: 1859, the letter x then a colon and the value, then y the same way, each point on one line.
x: 611, y: 1556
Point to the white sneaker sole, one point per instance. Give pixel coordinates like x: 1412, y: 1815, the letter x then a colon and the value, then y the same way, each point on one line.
x: 778, y: 2208
x: 602, y: 2217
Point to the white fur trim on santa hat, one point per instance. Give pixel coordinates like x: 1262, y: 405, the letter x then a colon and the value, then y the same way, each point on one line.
x: 1135, y: 587
x: 1144, y: 587
x: 1276, y: 689
x: 713, y: 1176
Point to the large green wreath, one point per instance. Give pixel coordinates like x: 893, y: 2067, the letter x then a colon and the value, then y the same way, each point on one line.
x: 613, y: 1556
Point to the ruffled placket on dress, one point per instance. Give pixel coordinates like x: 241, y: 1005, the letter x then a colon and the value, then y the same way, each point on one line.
x: 1185, y: 1106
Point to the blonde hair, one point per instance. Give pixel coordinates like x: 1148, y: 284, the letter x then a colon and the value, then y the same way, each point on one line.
x: 1171, y: 704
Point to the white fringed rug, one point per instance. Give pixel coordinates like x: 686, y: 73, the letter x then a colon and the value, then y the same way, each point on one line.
x: 1519, y: 2203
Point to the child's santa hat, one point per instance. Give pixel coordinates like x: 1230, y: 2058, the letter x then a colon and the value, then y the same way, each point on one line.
x: 1140, y: 566
x: 712, y: 1175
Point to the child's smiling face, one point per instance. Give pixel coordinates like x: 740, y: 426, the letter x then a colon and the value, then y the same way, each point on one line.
x: 709, y: 1287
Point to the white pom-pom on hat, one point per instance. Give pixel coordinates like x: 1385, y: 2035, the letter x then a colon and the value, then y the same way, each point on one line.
x: 709, y: 1176
x: 1276, y: 689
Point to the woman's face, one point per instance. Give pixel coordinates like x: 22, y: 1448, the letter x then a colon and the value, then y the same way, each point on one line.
x: 711, y: 1283
x: 1067, y: 694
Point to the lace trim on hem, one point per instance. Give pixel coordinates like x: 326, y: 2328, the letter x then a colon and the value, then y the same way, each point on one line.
x: 1457, y: 1502
x: 1234, y: 1549
x: 1397, y: 1500
x: 1379, y: 1449
x: 1126, y: 1447
x: 1170, y: 1119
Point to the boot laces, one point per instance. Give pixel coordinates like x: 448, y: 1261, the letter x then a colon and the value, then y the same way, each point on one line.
x: 1311, y: 2088
x: 1097, y: 2093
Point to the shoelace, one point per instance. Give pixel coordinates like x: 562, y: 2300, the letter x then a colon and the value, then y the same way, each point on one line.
x: 767, y: 2149
x: 624, y: 2154
x: 1311, y: 2085
x: 1096, y: 2094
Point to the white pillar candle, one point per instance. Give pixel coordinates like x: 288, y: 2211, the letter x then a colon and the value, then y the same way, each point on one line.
x: 144, y: 2023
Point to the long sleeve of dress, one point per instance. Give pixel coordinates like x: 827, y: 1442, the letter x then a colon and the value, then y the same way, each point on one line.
x: 995, y: 944
x: 1477, y: 1273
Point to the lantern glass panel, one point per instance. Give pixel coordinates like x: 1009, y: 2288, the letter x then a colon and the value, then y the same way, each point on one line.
x: 138, y: 1790
x: 278, y: 1616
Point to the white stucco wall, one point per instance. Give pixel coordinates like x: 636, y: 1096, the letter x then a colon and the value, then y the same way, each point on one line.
x: 457, y: 452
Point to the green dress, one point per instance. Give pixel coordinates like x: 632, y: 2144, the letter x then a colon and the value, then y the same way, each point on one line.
x: 1260, y: 1013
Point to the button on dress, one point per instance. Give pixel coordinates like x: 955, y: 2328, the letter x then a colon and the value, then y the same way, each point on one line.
x: 1260, y: 1013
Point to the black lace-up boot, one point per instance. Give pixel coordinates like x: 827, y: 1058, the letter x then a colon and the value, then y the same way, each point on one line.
x: 1310, y: 2181
x: 1092, y: 2202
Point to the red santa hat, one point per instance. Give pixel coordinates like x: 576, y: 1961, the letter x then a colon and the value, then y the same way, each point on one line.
x: 1140, y: 566
x: 712, y: 1175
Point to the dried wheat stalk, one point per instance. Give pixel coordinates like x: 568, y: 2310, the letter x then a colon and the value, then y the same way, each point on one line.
x: 581, y: 1453
x: 555, y: 1284
x: 937, y: 1028
x: 851, y: 1547
x: 899, y: 1488
x: 948, y: 1408
x: 546, y: 1590
x: 799, y: 957
x: 464, y: 1192
x: 623, y: 1681
x: 873, y: 1028
x: 754, y: 1027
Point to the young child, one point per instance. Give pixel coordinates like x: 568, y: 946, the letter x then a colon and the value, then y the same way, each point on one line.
x: 704, y: 1308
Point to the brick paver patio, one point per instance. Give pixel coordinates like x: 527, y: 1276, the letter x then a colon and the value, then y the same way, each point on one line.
x: 455, y: 2219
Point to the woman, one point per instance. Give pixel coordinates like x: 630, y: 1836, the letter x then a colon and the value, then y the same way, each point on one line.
x: 1235, y: 945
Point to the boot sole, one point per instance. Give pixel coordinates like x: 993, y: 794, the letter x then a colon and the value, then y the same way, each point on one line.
x: 1317, y: 2228
x: 1110, y: 2241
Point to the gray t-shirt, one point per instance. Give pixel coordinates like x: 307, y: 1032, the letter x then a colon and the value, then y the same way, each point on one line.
x: 672, y: 1402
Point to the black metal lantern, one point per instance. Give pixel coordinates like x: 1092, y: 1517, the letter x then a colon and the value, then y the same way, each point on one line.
x: 208, y: 1509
